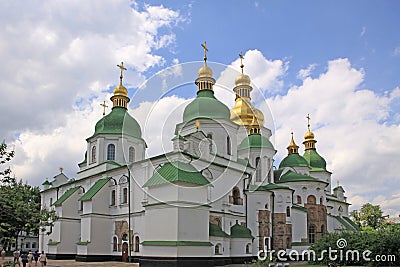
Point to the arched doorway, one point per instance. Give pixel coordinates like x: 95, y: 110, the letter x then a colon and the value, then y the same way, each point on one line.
x: 124, y: 251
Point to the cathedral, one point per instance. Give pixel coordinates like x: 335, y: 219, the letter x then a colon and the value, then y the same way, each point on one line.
x: 217, y: 198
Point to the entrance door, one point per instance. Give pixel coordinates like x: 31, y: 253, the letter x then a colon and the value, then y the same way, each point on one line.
x: 124, y: 252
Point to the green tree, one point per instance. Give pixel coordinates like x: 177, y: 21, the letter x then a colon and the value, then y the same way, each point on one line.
x: 19, y: 204
x: 369, y: 216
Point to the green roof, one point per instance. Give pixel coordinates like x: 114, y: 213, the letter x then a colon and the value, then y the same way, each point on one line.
x: 298, y: 207
x: 338, y: 187
x: 177, y: 243
x: 46, y: 183
x: 347, y: 225
x: 293, y: 160
x: 205, y: 105
x: 94, y: 189
x: 176, y: 172
x: 118, y: 121
x: 255, y: 141
x: 314, y: 159
x: 267, y: 187
x: 215, y: 230
x: 65, y: 196
x: 353, y: 224
x: 239, y: 231
x: 291, y: 176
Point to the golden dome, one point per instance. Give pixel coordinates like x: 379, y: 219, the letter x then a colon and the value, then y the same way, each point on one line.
x: 243, y: 113
x: 242, y: 79
x: 292, y: 148
x: 309, y: 135
x: 204, y: 72
x: 120, y: 90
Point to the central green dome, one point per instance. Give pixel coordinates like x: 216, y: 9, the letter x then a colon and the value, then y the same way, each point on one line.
x: 118, y: 121
x: 205, y: 105
x: 255, y: 141
x: 314, y: 159
x: 293, y: 160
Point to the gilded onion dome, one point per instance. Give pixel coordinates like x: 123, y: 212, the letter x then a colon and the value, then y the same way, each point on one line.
x: 316, y: 162
x: 120, y: 97
x: 243, y: 112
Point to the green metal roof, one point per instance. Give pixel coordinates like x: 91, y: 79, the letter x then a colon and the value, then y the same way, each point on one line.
x: 205, y: 105
x: 238, y: 231
x: 46, y: 183
x: 65, y: 196
x: 267, y: 187
x: 298, y: 207
x: 344, y: 223
x: 293, y: 160
x: 94, y: 189
x: 353, y: 224
x: 291, y: 176
x: 118, y: 121
x: 255, y: 141
x: 215, y: 230
x: 314, y: 159
x: 176, y: 171
x: 177, y: 243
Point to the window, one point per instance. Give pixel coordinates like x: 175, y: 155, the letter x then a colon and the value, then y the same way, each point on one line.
x: 287, y: 211
x: 113, y: 198
x: 236, y: 196
x: 321, y: 200
x: 51, y: 201
x: 115, y: 243
x: 311, y: 233
x: 34, y: 245
x: 93, y: 158
x: 111, y: 152
x: 258, y: 169
x: 217, y: 249
x: 269, y: 170
x: 298, y: 199
x: 210, y: 146
x: 131, y: 154
x: 218, y: 221
x: 125, y: 237
x: 125, y: 195
x: 27, y: 245
x: 248, y: 248
x: 137, y: 243
x: 322, y: 230
x: 311, y: 199
x: 80, y: 205
x: 228, y: 145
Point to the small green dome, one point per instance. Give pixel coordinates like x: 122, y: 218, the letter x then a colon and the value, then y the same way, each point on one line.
x: 118, y: 121
x: 205, y: 105
x: 314, y: 159
x: 239, y: 231
x: 293, y: 160
x: 255, y: 141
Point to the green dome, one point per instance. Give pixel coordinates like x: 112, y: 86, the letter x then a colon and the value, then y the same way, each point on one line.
x: 255, y: 141
x: 238, y: 231
x: 205, y: 105
x: 293, y: 160
x: 314, y: 159
x: 118, y: 121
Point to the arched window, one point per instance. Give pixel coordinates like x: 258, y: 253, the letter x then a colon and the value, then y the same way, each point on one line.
x: 287, y: 211
x: 125, y: 195
x: 258, y: 169
x: 218, y: 221
x: 269, y: 168
x: 93, y: 159
x: 311, y: 199
x: 248, y: 248
x: 228, y: 145
x: 113, y: 198
x: 125, y: 237
x: 321, y: 200
x: 298, y: 199
x: 115, y: 243
x: 236, y: 196
x: 210, y: 146
x: 311, y: 233
x: 131, y: 154
x: 137, y: 243
x: 217, y: 249
x: 111, y: 152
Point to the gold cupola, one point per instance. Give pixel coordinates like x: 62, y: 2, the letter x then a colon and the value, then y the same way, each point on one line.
x: 205, y: 80
x: 120, y: 97
x: 244, y: 113
x: 292, y: 148
x: 309, y: 141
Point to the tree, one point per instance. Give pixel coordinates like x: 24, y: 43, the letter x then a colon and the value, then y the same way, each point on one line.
x: 369, y: 216
x: 19, y: 204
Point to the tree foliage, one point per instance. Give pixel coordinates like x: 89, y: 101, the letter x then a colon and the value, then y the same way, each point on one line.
x: 19, y: 204
x: 369, y: 216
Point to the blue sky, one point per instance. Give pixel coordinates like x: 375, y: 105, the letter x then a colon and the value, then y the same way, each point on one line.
x: 339, y: 61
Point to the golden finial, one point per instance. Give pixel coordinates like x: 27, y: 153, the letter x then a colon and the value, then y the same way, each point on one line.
x: 197, y: 124
x: 61, y: 169
x: 122, y: 68
x: 205, y: 51
x: 241, y: 61
x: 104, y: 105
x: 292, y: 148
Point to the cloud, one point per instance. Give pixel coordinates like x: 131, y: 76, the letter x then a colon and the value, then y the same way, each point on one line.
x: 304, y: 73
x: 396, y: 51
x: 363, y: 31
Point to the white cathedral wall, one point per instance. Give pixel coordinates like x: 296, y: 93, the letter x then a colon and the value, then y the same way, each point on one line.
x: 299, y: 225
x: 193, y: 223
x: 70, y: 235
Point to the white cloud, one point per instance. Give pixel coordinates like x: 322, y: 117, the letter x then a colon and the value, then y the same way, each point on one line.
x: 363, y: 31
x: 304, y: 73
x: 396, y: 51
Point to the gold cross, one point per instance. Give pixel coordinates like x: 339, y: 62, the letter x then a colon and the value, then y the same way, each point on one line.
x: 308, y: 119
x: 205, y: 50
x: 61, y: 169
x: 104, y: 105
x: 122, y: 68
x: 241, y: 61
